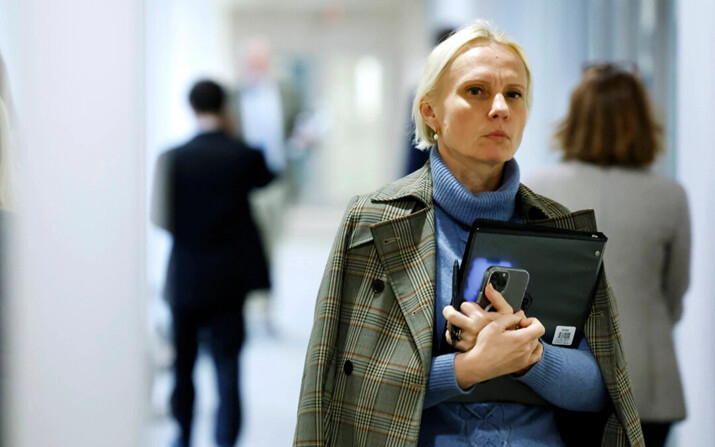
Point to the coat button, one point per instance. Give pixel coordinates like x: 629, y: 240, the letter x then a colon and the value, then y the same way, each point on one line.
x: 378, y: 285
x: 348, y: 367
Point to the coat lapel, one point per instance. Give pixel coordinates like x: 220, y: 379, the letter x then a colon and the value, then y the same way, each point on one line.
x: 405, y: 244
x: 406, y: 247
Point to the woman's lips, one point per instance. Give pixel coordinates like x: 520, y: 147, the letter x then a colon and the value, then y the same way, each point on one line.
x: 498, y: 135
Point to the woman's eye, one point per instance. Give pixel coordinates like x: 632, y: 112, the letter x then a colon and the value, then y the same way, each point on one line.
x: 514, y: 94
x: 474, y: 90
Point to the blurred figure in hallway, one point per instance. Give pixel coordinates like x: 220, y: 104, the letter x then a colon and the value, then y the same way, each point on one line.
x: 609, y: 139
x: 265, y: 109
x: 264, y: 112
x: 201, y: 197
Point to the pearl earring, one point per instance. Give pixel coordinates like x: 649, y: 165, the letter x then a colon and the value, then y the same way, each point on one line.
x: 436, y: 137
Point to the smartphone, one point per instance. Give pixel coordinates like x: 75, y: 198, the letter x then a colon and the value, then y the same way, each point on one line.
x: 510, y: 282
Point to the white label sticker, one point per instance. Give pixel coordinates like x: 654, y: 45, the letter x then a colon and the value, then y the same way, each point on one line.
x: 563, y: 335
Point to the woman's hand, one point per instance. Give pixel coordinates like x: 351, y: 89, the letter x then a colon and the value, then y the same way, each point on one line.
x: 509, y: 344
x: 473, y: 318
x: 538, y: 351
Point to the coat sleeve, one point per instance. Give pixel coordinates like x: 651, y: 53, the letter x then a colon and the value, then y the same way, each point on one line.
x: 258, y: 174
x: 676, y: 275
x: 319, y: 369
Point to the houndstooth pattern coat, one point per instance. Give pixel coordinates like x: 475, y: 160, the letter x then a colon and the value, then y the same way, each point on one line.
x: 370, y: 349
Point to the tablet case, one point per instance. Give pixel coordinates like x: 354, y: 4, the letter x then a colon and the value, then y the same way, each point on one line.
x: 563, y: 265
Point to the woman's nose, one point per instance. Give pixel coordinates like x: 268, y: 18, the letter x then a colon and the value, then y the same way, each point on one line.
x: 499, y: 107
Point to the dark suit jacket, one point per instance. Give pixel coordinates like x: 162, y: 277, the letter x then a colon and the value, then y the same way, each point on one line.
x: 201, y: 196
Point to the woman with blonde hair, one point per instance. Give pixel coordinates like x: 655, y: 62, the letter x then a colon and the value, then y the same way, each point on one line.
x: 609, y: 140
x: 374, y: 373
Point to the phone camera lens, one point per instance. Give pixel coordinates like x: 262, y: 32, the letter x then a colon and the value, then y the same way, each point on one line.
x: 499, y: 280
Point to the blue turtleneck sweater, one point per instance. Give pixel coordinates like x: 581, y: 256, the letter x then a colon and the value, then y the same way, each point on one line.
x: 568, y: 378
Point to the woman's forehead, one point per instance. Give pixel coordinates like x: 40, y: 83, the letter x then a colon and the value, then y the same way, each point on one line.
x: 488, y: 59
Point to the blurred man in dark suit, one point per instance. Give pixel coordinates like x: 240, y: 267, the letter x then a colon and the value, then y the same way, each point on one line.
x: 201, y: 196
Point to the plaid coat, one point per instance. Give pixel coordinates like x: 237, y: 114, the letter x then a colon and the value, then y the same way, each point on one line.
x: 370, y: 350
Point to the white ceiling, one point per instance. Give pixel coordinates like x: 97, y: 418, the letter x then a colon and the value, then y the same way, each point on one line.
x: 319, y: 6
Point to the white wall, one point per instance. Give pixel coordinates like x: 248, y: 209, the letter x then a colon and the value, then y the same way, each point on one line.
x: 75, y: 332
x: 696, y: 165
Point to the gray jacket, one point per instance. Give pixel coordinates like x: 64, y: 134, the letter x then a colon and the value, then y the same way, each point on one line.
x: 647, y: 259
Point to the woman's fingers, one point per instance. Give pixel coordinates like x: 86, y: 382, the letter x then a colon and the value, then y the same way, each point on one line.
x: 508, y: 321
x: 532, y: 326
x: 538, y: 352
x: 478, y: 316
x: 497, y: 300
x: 471, y: 309
x: 466, y: 342
x: 473, y: 319
x: 456, y: 318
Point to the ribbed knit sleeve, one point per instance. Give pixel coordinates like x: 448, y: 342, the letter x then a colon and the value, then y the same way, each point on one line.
x: 568, y: 378
x: 442, y: 384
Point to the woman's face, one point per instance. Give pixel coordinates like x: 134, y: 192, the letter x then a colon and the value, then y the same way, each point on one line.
x: 479, y: 109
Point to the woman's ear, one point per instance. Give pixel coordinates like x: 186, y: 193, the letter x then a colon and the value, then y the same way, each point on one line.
x: 428, y: 114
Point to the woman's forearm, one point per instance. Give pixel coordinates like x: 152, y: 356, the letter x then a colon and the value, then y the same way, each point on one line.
x: 568, y: 378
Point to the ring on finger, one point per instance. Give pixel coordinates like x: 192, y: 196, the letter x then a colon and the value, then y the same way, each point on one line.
x: 456, y: 334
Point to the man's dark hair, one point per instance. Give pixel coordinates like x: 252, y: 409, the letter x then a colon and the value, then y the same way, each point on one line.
x: 206, y: 96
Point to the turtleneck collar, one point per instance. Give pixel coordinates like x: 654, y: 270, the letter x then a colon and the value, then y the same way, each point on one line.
x: 458, y: 202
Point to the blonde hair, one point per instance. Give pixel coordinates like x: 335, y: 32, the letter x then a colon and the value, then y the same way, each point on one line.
x: 442, y: 56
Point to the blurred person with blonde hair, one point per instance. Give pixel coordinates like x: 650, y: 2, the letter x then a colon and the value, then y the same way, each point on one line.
x: 609, y: 139
x: 375, y: 372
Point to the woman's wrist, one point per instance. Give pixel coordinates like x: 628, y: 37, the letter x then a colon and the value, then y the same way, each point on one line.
x: 464, y: 373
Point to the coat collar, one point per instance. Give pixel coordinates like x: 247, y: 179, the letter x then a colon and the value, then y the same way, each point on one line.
x: 533, y: 208
x: 539, y: 210
x: 417, y: 185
